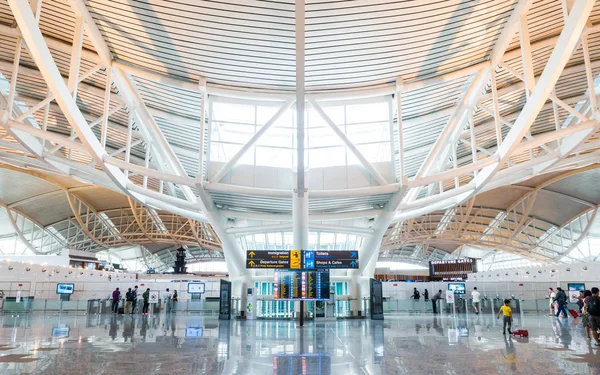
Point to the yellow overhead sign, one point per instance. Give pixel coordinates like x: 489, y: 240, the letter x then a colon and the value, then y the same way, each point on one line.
x: 295, y: 259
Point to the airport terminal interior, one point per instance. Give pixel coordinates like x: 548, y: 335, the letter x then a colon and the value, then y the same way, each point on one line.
x: 299, y: 187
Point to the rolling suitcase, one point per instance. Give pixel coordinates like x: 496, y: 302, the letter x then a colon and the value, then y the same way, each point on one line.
x: 574, y: 313
x: 121, y: 310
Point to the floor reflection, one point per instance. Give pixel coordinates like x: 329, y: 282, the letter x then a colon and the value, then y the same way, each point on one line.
x: 186, y: 344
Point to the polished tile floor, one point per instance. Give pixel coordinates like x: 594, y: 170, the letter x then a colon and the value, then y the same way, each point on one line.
x: 186, y: 344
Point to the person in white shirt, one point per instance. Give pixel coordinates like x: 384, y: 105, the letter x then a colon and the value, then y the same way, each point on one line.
x: 552, y: 295
x: 168, y: 301
x: 476, y: 299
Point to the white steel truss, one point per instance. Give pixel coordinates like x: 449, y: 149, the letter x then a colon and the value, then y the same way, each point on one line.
x: 493, y: 136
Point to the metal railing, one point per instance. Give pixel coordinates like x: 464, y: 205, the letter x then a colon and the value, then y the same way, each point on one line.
x: 98, y: 306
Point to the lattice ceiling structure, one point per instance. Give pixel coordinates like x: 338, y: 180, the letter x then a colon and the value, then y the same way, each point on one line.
x: 49, y: 213
x: 413, y: 110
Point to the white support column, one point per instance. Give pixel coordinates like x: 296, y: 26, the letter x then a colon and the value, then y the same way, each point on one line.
x: 76, y: 56
x: 13, y: 80
x: 526, y: 59
x: 496, y: 112
x: 231, y: 163
x: 300, y: 197
x: 399, y: 91
x: 566, y: 44
x: 201, y: 151
x: 336, y: 129
x: 106, y: 112
x: 590, y: 76
x: 42, y: 57
x: 473, y: 140
x: 439, y: 152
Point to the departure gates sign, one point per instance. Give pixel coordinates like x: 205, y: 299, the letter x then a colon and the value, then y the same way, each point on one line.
x: 302, y: 259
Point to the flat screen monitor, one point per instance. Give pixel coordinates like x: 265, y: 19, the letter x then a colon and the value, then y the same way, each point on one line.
x: 195, y: 288
x: 457, y: 288
x: 60, y: 332
x: 193, y: 332
x: 65, y: 288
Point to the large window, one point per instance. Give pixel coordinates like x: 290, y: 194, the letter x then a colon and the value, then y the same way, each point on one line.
x: 366, y: 124
x: 316, y: 240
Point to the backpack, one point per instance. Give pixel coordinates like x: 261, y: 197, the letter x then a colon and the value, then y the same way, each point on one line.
x: 129, y: 296
x: 593, y: 307
x: 417, y: 294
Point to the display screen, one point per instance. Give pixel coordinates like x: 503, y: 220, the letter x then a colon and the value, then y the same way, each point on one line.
x: 449, y: 268
x: 59, y: 332
x: 576, y: 286
x: 65, y: 288
x: 457, y: 288
x: 310, y: 285
x: 193, y: 332
x: 317, y: 363
x: 195, y: 288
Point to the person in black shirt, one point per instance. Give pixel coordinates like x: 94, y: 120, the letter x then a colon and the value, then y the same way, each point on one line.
x: 561, y: 299
x: 416, y: 295
x: 434, y: 300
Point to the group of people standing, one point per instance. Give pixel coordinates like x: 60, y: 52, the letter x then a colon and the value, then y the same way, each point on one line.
x: 131, y: 298
x: 589, y: 308
x: 475, y: 295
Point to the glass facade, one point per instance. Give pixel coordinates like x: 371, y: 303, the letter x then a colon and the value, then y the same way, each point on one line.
x: 366, y: 124
x: 316, y: 240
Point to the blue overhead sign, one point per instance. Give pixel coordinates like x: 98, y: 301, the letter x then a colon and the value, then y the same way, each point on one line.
x: 336, y: 259
x: 308, y: 259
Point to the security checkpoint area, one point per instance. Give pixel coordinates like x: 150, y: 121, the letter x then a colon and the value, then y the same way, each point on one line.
x: 299, y: 187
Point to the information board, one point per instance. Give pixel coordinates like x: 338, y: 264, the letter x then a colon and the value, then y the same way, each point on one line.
x: 268, y: 259
x: 331, y: 259
x: 302, y: 259
x: 309, y: 285
x: 312, y: 363
x: 457, y: 268
x: 65, y: 288
x: 195, y: 288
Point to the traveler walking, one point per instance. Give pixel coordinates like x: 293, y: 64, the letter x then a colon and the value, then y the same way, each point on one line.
x: 128, y: 301
x: 580, y: 301
x: 552, y: 296
x: 416, y: 295
x: 506, y: 311
x: 426, y: 295
x: 593, y: 308
x: 168, y: 301
x: 585, y: 316
x: 561, y: 299
x: 135, y: 296
x: 116, y: 297
x: 476, y: 297
x: 146, y: 297
x: 434, y: 300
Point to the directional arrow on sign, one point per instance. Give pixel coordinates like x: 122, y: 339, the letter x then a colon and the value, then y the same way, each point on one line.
x: 353, y: 254
x: 251, y: 263
x: 353, y: 264
x: 251, y: 254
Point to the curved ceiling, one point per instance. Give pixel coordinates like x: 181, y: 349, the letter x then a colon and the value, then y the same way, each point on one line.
x: 542, y: 219
x: 480, y: 94
x: 92, y: 218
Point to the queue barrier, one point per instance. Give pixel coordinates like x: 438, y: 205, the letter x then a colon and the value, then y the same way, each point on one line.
x: 487, y: 306
x: 101, y: 306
